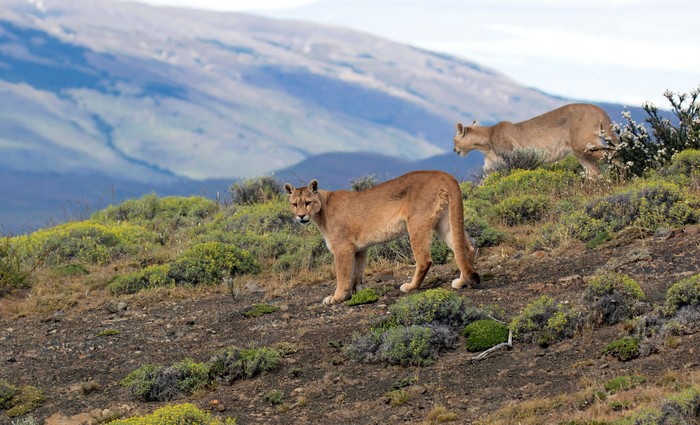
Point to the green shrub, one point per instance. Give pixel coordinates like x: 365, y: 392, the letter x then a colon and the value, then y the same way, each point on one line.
x: 7, y: 393
x: 623, y: 349
x: 259, y: 310
x: 150, y: 277
x: 19, y: 401
x: 516, y: 210
x: 209, y: 262
x: 163, y: 214
x: 623, y: 383
x: 478, y: 228
x: 545, y: 321
x: 176, y: 414
x: 527, y: 158
x: 364, y: 296
x: 193, y: 376
x: 403, y: 345
x: 141, y: 382
x: 396, y: 397
x: 274, y: 397
x: 483, y: 334
x: 649, y: 206
x: 13, y: 271
x: 612, y: 298
x: 685, y: 292
x: 233, y: 363
x: 438, y: 306
x: 496, y: 187
x: 256, y: 190
x: 683, y: 407
x: 684, y: 166
x: 568, y: 165
x: 84, y: 242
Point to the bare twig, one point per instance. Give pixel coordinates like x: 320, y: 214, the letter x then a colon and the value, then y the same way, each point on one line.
x: 508, y: 344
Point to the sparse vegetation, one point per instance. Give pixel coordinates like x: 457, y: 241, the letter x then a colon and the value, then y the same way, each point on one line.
x: 683, y: 293
x: 256, y: 190
x: 19, y: 401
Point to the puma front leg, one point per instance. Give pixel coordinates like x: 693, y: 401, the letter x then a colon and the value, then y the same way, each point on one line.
x: 344, y: 266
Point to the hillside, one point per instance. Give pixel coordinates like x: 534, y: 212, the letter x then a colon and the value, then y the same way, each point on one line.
x: 155, y: 302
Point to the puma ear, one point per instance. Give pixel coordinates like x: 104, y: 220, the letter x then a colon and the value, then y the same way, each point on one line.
x: 313, y: 185
x: 475, y: 123
x: 459, y: 127
x: 288, y: 188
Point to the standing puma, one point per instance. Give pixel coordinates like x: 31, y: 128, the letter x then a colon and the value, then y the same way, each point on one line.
x: 570, y: 129
x: 416, y: 204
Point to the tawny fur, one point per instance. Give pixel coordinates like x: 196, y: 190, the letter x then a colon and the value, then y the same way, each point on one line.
x: 569, y: 129
x: 415, y: 204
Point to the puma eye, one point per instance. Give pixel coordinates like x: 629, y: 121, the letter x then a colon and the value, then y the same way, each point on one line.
x: 307, y: 203
x: 294, y: 204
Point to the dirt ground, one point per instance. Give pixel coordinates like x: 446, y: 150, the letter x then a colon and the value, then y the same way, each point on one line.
x: 79, y: 371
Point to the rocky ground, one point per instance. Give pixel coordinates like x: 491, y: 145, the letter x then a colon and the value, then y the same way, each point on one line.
x: 80, y: 371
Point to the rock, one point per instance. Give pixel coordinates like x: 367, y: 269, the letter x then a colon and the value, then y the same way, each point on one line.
x: 114, y: 306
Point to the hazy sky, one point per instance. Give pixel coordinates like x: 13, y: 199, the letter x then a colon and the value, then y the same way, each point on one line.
x: 622, y: 51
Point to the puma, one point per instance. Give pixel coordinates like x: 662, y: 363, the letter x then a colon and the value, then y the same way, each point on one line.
x: 572, y: 128
x: 415, y: 204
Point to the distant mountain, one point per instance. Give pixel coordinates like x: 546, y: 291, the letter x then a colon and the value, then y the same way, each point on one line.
x: 97, y: 94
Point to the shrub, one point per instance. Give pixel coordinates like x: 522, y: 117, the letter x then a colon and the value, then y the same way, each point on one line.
x: 141, y: 381
x: 13, y: 272
x: 637, y: 151
x: 396, y: 397
x: 683, y: 407
x: 623, y: 349
x: 85, y: 242
x: 7, y: 393
x: 545, y: 321
x: 19, y: 401
x: 650, y: 206
x: 365, y: 296
x: 516, y: 210
x: 259, y: 310
x: 483, y: 334
x: 623, y: 383
x: 176, y: 414
x: 363, y: 183
x: 685, y: 292
x: 150, y: 277
x: 274, y: 397
x: 612, y: 298
x: 256, y: 190
x: 684, y: 168
x: 233, y: 363
x: 496, y: 187
x: 481, y: 230
x: 163, y: 214
x: 209, y: 262
x: 527, y: 158
x: 437, y: 306
x: 404, y: 345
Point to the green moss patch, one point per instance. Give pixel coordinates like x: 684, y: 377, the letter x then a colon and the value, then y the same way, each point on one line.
x: 259, y: 310
x: 623, y: 383
x: 364, y: 296
x: 545, y: 321
x: 483, y: 334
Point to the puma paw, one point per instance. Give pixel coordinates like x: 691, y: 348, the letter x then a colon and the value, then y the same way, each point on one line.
x: 406, y: 287
x: 328, y: 300
x: 458, y: 283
